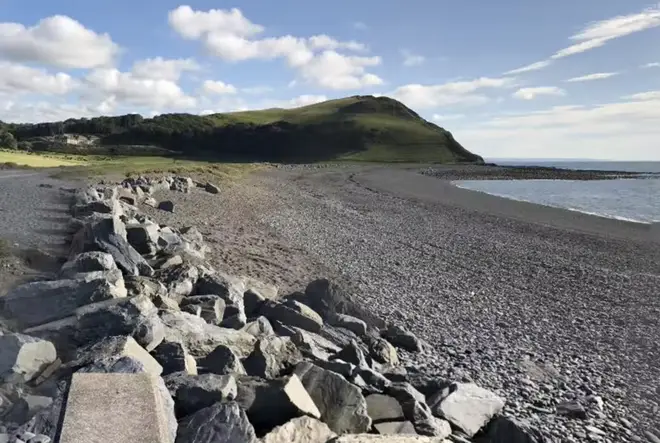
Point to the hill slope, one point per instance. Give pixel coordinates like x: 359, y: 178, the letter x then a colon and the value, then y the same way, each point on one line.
x: 361, y: 128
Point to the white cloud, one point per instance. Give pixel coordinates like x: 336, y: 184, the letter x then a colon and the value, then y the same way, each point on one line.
x: 45, y: 111
x: 360, y: 26
x: 229, y: 35
x: 652, y: 65
x: 419, y: 96
x: 410, y: 59
x: 58, y: 41
x: 18, y: 79
x: 533, y: 67
x: 573, y: 131
x: 439, y: 118
x: 645, y: 96
x: 128, y: 89
x: 218, y: 87
x: 595, y: 76
x: 305, y: 100
x: 163, y: 69
x: 532, y: 93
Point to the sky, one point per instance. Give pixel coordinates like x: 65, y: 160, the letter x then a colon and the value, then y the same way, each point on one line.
x: 512, y: 78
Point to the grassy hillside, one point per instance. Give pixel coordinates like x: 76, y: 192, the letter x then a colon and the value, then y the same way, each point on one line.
x: 359, y: 128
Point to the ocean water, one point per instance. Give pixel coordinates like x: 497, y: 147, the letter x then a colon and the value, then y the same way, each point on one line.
x: 636, y: 200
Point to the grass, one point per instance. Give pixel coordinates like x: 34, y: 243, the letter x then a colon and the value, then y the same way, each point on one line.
x: 38, y: 160
x: 5, y: 248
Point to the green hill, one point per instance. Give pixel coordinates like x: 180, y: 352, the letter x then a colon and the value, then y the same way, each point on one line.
x: 359, y: 128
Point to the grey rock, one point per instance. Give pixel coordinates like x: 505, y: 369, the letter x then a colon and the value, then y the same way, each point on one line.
x: 468, y: 407
x: 209, y: 307
x: 179, y: 279
x: 112, y: 349
x: 260, y: 327
x: 328, y: 299
x: 382, y: 351
x: 231, y: 290
x: 402, y: 338
x: 88, y: 262
x: 145, y: 286
x: 383, y: 408
x: 340, y: 367
x: 312, y: 345
x: 395, y: 427
x: 417, y: 411
x: 353, y: 324
x: 509, y: 430
x: 219, y: 423
x: 571, y: 409
x: 165, y: 303
x: 22, y: 357
x: 342, y: 406
x: 374, y: 379
x: 374, y: 438
x: 194, y: 392
x: 168, y: 262
x: 272, y: 356
x: 429, y: 385
x: 166, y: 205
x: 300, y: 430
x: 353, y: 354
x: 174, y: 357
x: 150, y: 201
x: 271, y: 403
x: 253, y: 301
x: 143, y: 237
x: 292, y: 314
x: 222, y: 361
x: 211, y: 188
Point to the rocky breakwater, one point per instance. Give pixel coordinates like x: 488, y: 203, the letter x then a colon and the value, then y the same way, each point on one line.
x: 139, y: 324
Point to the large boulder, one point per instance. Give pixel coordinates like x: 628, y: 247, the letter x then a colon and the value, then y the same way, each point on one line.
x: 328, y: 299
x: 395, y: 427
x: 143, y: 237
x: 353, y: 354
x: 41, y: 302
x: 146, y: 286
x: 201, y: 338
x: 353, y: 324
x: 382, y: 351
x: 88, y: 262
x: 174, y: 357
x: 271, y: 403
x: 231, y: 290
x: 415, y: 410
x: 272, y: 356
x: 508, y: 430
x: 373, y: 438
x: 23, y: 357
x: 383, y: 408
x: 222, y: 361
x: 468, y: 407
x: 402, y: 338
x: 219, y: 423
x: 312, y: 345
x: 110, y: 350
x: 341, y: 404
x: 179, y: 279
x: 210, y: 307
x: 260, y: 327
x: 300, y: 430
x: 194, y: 392
x: 292, y: 313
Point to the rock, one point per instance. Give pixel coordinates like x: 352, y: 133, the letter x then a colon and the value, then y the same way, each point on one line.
x: 402, y: 338
x: 652, y: 438
x: 382, y: 351
x: 353, y: 324
x: 22, y: 357
x: 194, y: 392
x: 272, y: 356
x: 260, y: 327
x: 572, y: 409
x: 328, y: 299
x: 264, y: 290
x: 429, y: 385
x: 271, y: 403
x: 353, y: 354
x: 468, y: 407
x: 508, y: 430
x: 395, y: 427
x: 292, y: 314
x: 169, y: 261
x: 150, y: 201
x: 312, y: 345
x: 231, y: 290
x: 146, y: 286
x: 340, y: 367
x: 417, y: 411
x: 339, y: 336
x: 109, y: 206
x: 201, y: 338
x: 211, y: 188
x: 174, y: 357
x: 222, y: 361
x: 373, y: 438
x: 300, y: 430
x: 383, y: 408
x: 112, y: 349
x: 41, y: 302
x: 219, y: 423
x: 179, y: 279
x: 88, y: 262
x: 143, y: 237
x: 253, y: 301
x: 126, y: 195
x: 209, y: 307
x: 164, y: 303
x: 166, y: 205
x: 133, y: 410
x: 373, y: 379
x: 342, y: 406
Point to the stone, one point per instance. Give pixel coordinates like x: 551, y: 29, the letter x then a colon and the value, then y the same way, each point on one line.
x: 131, y: 411
x: 166, y: 205
x: 23, y: 357
x: 222, y: 361
x: 571, y: 409
x: 417, y: 411
x: 169, y: 261
x: 312, y: 345
x: 109, y: 206
x: 300, y: 430
x: 508, y: 430
x: 110, y: 350
x: 211, y: 188
x: 395, y: 427
x: 174, y: 357
x: 468, y: 407
x: 272, y: 356
x: 179, y: 280
x: 342, y: 406
x: 231, y: 290
x: 253, y: 301
x: 209, y: 307
x: 88, y: 262
x: 328, y: 299
x: 427, y: 384
x: 146, y: 286
x: 374, y: 438
x: 402, y: 338
x: 219, y: 423
x: 271, y: 403
x: 143, y: 237
x: 165, y: 303
x: 201, y: 338
x: 126, y: 195
x: 150, y: 201
x: 375, y: 380
x: 42, y: 302
x: 352, y: 354
x: 194, y: 392
x: 340, y: 367
x: 260, y: 327
x: 292, y: 314
x: 355, y: 325
x: 263, y: 290
x: 383, y: 408
x: 382, y: 351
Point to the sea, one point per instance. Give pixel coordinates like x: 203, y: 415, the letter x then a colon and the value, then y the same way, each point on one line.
x: 635, y: 200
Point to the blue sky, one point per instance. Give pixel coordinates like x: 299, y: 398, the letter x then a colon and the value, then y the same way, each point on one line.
x: 512, y: 78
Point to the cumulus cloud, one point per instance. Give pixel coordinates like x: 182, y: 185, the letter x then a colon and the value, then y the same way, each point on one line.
x: 218, y: 87
x: 595, y: 76
x: 58, y: 41
x: 532, y: 93
x: 306, y: 99
x: 163, y: 69
x: 229, y: 35
x: 453, y: 93
x: 43, y: 111
x: 410, y: 59
x: 16, y: 79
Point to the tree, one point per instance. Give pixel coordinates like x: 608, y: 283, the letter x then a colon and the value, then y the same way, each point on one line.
x: 7, y: 140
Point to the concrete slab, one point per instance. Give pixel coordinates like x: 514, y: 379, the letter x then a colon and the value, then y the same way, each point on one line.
x: 122, y: 408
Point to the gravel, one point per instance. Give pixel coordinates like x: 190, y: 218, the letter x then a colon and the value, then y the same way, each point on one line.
x: 541, y: 306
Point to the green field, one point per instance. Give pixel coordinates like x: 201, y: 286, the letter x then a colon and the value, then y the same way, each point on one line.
x: 38, y: 160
